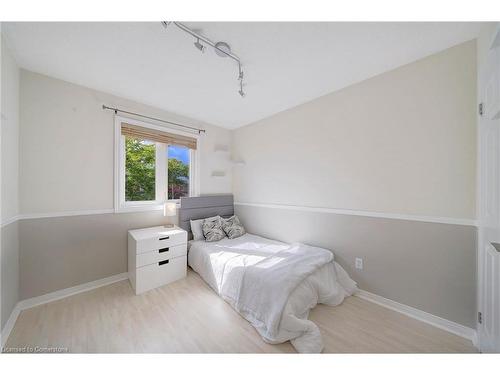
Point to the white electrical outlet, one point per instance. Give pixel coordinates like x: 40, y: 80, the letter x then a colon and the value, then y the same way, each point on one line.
x: 359, y: 263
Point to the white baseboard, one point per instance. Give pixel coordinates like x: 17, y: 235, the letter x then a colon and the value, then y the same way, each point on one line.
x: 447, y: 325
x: 63, y: 293
x: 54, y: 296
x: 7, y: 329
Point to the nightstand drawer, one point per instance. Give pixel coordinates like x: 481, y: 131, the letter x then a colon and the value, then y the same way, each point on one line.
x: 162, y: 241
x: 160, y: 273
x: 165, y: 253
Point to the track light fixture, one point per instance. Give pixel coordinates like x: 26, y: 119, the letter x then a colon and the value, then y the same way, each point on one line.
x: 221, y: 49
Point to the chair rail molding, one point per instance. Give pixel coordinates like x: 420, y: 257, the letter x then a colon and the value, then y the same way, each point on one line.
x: 384, y: 215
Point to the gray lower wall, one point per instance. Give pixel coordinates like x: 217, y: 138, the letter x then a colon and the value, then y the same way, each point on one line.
x: 429, y: 266
x: 10, y: 271
x: 61, y: 252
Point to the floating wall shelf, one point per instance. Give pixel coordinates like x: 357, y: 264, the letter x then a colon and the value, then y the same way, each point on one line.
x: 218, y: 174
x: 222, y: 149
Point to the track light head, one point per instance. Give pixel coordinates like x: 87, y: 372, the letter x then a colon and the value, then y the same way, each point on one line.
x: 241, y: 92
x: 199, y: 46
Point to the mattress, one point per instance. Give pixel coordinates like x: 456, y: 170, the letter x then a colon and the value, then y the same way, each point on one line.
x: 329, y: 284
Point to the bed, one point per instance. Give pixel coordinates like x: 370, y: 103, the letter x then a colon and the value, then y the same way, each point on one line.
x: 272, y: 284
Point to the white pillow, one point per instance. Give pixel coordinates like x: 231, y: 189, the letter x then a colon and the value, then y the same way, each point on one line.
x: 197, y: 228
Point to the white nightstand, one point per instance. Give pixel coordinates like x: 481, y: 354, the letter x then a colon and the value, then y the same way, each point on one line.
x: 156, y: 256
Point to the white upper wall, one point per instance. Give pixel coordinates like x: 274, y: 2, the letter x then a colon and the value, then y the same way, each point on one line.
x: 402, y: 142
x: 10, y: 134
x: 66, y: 162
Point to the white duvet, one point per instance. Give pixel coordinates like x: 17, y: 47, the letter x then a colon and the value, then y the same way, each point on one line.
x: 273, y: 285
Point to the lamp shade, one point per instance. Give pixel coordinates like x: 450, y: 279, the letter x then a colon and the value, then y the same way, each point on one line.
x: 169, y: 209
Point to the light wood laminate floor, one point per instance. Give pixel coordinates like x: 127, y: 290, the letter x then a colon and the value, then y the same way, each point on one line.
x: 188, y: 317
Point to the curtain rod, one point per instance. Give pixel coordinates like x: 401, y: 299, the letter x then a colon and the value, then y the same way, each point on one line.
x: 116, y: 110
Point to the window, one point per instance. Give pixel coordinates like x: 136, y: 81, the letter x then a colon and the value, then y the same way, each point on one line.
x: 154, y: 164
x: 178, y: 171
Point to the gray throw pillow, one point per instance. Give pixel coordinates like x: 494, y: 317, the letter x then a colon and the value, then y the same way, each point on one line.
x: 232, y: 227
x: 212, y: 229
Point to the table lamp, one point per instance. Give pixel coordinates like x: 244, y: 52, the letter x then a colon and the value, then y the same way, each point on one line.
x: 169, y: 210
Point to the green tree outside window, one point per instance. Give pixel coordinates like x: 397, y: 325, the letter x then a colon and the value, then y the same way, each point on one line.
x: 178, y: 172
x: 140, y: 170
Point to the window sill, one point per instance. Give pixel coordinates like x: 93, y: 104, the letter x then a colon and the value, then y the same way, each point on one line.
x: 144, y: 207
x: 139, y: 208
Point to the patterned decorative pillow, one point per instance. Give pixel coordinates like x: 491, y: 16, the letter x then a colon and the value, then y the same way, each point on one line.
x: 233, y: 227
x: 197, y: 228
x: 212, y: 229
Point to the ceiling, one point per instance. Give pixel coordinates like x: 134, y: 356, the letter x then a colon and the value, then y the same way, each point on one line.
x: 285, y: 64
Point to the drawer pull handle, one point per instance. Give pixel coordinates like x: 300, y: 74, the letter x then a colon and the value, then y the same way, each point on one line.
x: 163, y: 250
x: 164, y: 238
x: 163, y: 262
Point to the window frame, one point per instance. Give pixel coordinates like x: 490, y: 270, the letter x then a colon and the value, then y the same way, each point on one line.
x: 161, y: 169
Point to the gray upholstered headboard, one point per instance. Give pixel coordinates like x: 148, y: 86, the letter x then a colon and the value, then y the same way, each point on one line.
x: 193, y: 208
